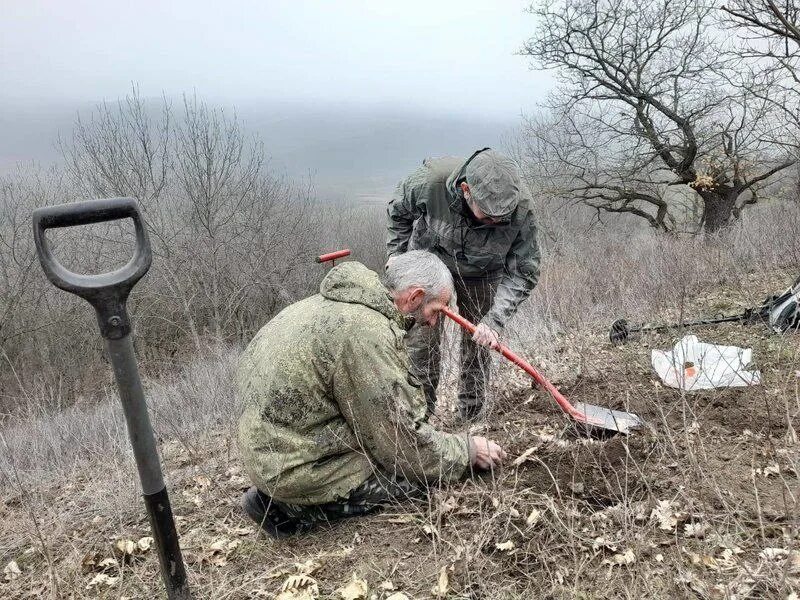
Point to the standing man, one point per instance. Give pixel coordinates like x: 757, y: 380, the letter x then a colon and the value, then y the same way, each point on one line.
x: 476, y: 216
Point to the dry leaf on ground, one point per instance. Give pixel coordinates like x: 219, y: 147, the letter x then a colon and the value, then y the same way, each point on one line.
x: 144, y: 544
x: 442, y: 585
x: 449, y: 505
x: 308, y: 567
x: 90, y: 561
x: 108, y: 563
x: 218, y: 552
x: 601, y: 542
x: 125, y: 547
x: 696, y: 530
x: 665, y: 516
x: 299, y: 587
x: 507, y: 546
x: 11, y: 571
x: 356, y: 589
x: 773, y: 553
x: 702, y: 559
x: 102, y: 580
x: 769, y: 470
x: 622, y: 558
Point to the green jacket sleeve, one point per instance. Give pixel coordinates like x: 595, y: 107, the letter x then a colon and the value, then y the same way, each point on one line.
x: 402, y: 212
x: 520, y: 276
x: 386, y: 411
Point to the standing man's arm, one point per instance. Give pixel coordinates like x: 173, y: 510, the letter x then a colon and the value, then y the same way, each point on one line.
x: 402, y: 213
x: 520, y: 275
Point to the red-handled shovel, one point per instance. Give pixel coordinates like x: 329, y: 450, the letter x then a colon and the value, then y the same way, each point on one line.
x: 333, y: 256
x: 587, y: 414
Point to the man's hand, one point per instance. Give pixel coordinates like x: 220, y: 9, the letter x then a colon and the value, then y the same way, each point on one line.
x: 485, y: 336
x: 484, y: 453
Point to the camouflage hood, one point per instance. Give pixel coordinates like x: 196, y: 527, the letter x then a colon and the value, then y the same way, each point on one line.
x: 327, y: 398
x: 354, y: 283
x: 455, y: 196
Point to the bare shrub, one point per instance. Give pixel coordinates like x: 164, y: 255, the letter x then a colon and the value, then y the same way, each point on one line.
x: 232, y: 241
x: 193, y: 402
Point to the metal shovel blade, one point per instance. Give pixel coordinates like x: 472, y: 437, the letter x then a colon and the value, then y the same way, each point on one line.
x: 615, y: 421
x: 605, y: 418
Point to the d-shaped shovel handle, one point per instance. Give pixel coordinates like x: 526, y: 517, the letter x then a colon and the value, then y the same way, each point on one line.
x: 106, y: 292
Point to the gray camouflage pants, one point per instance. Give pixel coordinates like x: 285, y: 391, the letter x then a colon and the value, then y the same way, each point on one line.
x: 474, y: 298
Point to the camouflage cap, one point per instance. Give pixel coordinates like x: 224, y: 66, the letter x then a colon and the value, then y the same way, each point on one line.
x: 494, y: 184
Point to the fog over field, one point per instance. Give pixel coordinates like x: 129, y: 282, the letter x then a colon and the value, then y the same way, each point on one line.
x: 346, y: 151
x: 352, y: 94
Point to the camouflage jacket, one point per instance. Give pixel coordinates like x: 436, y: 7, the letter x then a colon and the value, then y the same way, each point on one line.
x: 327, y: 397
x: 428, y: 213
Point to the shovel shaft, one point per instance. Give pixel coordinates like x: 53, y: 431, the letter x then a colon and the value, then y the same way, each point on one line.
x: 126, y: 374
x: 154, y: 490
x: 108, y: 294
x: 565, y: 405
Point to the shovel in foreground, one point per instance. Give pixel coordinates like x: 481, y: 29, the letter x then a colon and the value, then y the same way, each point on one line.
x: 108, y: 294
x: 588, y: 415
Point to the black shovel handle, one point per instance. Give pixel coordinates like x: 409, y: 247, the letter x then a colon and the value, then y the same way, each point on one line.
x: 106, y: 292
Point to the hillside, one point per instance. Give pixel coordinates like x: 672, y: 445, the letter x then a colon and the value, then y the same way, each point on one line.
x: 702, y: 503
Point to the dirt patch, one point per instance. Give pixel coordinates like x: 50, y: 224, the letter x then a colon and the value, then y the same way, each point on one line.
x: 601, y: 472
x: 740, y: 410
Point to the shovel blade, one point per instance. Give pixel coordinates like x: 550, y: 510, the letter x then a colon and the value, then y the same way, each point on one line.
x: 611, y: 420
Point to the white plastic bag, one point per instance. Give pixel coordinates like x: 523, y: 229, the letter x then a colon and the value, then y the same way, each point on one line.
x: 693, y: 365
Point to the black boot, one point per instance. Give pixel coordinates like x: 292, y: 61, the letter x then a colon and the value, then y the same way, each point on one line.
x: 268, y: 515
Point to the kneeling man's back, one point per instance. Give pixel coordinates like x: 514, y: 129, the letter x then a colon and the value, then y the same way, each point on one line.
x: 328, y: 401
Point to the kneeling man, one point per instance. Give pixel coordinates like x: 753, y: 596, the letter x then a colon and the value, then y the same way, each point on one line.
x: 333, y: 423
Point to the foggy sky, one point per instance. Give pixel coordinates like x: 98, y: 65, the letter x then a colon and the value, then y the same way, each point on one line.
x: 349, y: 92
x: 437, y: 55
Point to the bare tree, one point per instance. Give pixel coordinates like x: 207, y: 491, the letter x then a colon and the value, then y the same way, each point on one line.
x: 645, y: 95
x: 570, y: 158
x: 770, y: 31
x: 122, y: 150
x: 768, y: 44
x: 233, y: 240
x: 231, y: 236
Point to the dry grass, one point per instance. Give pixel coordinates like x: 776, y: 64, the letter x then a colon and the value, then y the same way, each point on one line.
x: 701, y: 504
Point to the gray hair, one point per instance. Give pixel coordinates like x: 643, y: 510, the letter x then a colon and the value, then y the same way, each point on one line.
x: 419, y: 268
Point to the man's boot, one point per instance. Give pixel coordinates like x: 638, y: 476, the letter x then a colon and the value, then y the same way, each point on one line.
x: 263, y: 510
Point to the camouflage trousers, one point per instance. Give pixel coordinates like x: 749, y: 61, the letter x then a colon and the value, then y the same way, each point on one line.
x: 377, y: 491
x: 474, y: 297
